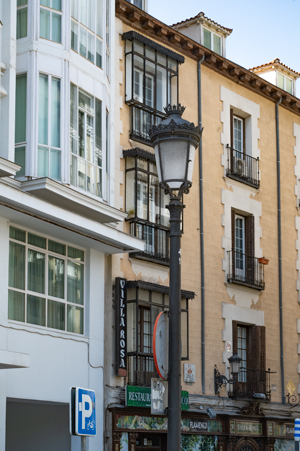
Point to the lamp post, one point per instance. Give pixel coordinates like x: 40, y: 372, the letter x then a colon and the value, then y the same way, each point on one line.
x: 235, y: 364
x: 175, y: 141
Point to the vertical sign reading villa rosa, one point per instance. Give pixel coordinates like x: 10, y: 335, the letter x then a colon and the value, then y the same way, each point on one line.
x: 121, y: 326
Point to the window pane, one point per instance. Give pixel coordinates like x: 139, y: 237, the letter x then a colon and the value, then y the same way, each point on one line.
x: 21, y: 2
x: 20, y: 131
x: 36, y: 309
x: 75, y: 319
x: 289, y: 85
x: 74, y: 36
x: 75, y: 283
x: 87, y: 16
x: 217, y: 44
x: 91, y: 47
x: 207, y: 38
x: 81, y: 174
x: 20, y: 160
x: 149, y: 84
x: 55, y: 112
x: 130, y: 193
x: 99, y: 52
x: 99, y: 19
x: 36, y: 271
x: 55, y: 164
x: 172, y: 88
x: 89, y: 139
x: 86, y: 102
x: 75, y: 254
x: 16, y: 306
x: 83, y: 42
x: 37, y: 241
x: 73, y: 119
x: 56, y: 4
x: 74, y: 9
x: 43, y: 162
x: 131, y: 326
x: 44, y: 24
x: 56, y: 27
x: 22, y: 23
x: 280, y: 80
x: 16, y: 276
x: 98, y: 120
x: 45, y: 2
x: 90, y: 178
x: 161, y: 59
x: 17, y: 234
x: 56, y: 277
x: 58, y: 248
x: 98, y: 182
x: 161, y: 88
x: 43, y: 109
x: 56, y: 315
x: 142, y: 195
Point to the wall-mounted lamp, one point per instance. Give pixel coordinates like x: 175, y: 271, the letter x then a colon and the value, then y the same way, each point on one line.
x: 235, y: 361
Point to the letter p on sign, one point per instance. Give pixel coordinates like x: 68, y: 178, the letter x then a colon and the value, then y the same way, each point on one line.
x: 85, y: 412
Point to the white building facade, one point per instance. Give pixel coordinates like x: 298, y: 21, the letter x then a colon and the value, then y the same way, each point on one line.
x: 58, y: 221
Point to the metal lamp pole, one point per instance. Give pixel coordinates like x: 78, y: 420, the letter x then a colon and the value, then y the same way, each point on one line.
x: 175, y: 141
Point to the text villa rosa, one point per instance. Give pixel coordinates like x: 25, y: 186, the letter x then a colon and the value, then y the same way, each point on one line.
x: 121, y: 326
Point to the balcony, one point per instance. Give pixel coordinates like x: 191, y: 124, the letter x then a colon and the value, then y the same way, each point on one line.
x: 245, y: 270
x: 252, y: 384
x: 141, y: 120
x: 156, y: 238
x: 141, y: 369
x: 242, y: 167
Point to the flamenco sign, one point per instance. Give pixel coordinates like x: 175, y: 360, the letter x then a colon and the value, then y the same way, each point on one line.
x: 121, y: 326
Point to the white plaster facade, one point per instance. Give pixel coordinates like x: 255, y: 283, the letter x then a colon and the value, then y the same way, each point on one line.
x: 40, y: 364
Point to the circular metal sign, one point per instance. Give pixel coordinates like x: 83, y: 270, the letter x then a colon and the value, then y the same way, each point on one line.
x: 161, y: 345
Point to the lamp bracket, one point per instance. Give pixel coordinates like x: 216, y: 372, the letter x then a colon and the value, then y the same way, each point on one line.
x: 220, y: 380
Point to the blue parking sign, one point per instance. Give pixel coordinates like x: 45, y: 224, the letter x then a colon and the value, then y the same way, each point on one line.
x: 85, y: 412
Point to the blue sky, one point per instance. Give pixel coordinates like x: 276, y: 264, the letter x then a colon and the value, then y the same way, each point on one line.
x: 262, y: 29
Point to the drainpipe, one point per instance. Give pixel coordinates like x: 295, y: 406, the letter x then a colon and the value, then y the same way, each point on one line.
x: 279, y: 251
x: 201, y: 230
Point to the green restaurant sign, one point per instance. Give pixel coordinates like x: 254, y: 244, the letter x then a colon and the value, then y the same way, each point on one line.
x: 141, y: 397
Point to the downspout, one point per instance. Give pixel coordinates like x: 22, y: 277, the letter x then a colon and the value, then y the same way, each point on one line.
x: 279, y: 251
x: 201, y: 231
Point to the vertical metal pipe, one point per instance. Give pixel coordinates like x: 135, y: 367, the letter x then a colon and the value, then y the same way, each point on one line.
x: 201, y: 231
x: 279, y: 250
x: 174, y: 377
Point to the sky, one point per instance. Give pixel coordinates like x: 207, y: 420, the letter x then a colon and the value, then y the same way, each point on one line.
x: 262, y: 29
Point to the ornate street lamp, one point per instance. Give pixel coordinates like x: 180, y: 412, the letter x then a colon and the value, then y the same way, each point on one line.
x: 175, y: 141
x: 235, y: 363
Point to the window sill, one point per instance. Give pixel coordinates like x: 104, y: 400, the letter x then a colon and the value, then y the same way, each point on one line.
x: 246, y: 180
x: 256, y: 286
x: 150, y: 258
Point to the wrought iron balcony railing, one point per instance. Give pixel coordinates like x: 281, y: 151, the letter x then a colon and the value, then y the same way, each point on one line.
x: 141, y: 369
x: 252, y: 384
x: 242, y: 167
x: 245, y: 270
x: 141, y: 121
x: 156, y: 238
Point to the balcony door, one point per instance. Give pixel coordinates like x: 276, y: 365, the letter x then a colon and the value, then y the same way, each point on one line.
x: 239, y: 246
x: 243, y: 265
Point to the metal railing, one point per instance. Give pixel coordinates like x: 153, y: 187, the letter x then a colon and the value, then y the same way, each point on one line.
x: 252, y: 384
x: 245, y: 270
x: 156, y: 238
x: 141, y: 369
x: 141, y: 121
x: 242, y: 167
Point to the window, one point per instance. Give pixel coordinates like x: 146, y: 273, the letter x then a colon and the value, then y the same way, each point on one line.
x: 49, y: 147
x: 20, y: 122
x: 144, y: 303
x: 212, y: 41
x: 138, y: 3
x: 241, y: 166
x: 86, y: 141
x: 22, y: 12
x: 87, y: 29
x: 249, y: 343
x: 146, y: 205
x: 46, y: 282
x: 151, y: 83
x: 50, y: 20
x: 285, y: 82
x: 245, y: 269
x: 107, y: 15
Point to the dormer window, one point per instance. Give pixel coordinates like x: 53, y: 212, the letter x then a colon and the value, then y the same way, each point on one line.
x: 212, y: 41
x: 284, y: 82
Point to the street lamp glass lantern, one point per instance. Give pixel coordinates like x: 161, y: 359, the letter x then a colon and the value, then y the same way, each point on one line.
x: 235, y: 362
x: 175, y: 141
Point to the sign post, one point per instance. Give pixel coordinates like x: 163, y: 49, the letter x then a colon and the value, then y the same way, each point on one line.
x: 297, y: 433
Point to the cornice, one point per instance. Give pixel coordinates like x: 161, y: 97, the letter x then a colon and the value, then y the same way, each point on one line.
x: 165, y: 35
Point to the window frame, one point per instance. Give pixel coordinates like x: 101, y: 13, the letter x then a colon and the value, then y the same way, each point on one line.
x: 46, y: 296
x: 51, y: 11
x: 97, y: 34
x: 212, y: 42
x: 285, y: 78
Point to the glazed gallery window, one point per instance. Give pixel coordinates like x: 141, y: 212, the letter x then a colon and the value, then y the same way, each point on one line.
x: 87, y: 29
x: 86, y: 141
x: 50, y: 20
x: 22, y: 13
x: 46, y: 282
x: 212, y: 41
x: 49, y: 139
x: 20, y: 122
x: 143, y: 307
x: 146, y: 205
x: 151, y: 83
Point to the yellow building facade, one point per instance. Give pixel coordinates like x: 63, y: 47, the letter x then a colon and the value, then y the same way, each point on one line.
x: 240, y: 258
